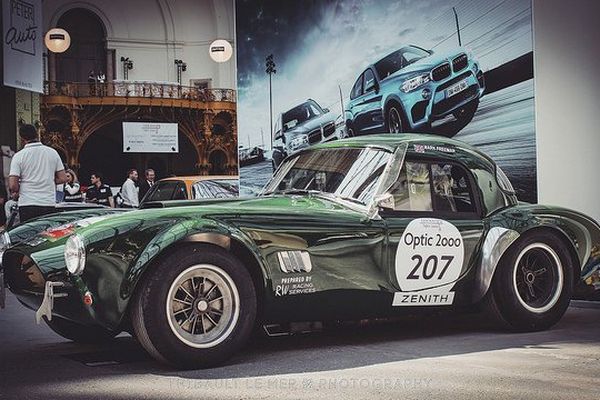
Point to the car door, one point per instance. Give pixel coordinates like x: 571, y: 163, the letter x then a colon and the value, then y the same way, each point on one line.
x: 434, y: 232
x: 369, y: 116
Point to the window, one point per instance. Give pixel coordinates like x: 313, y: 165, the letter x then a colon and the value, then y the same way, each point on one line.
x: 216, y: 189
x: 349, y: 173
x: 162, y: 191
x: 357, y: 88
x: 442, y: 187
x: 399, y: 59
x: 369, y: 80
x: 201, y: 83
x: 180, y: 192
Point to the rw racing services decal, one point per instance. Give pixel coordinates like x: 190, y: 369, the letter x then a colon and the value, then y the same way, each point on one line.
x: 428, y: 261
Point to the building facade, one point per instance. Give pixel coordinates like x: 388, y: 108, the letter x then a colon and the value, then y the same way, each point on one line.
x: 140, y: 61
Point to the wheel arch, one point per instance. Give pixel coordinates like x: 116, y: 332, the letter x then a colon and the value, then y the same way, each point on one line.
x: 499, y: 240
x: 232, y: 241
x: 390, y: 101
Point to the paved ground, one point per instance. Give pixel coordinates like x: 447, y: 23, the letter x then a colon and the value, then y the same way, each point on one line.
x: 456, y: 357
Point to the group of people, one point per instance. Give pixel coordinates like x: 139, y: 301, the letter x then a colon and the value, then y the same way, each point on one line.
x: 36, y: 170
x: 131, y: 194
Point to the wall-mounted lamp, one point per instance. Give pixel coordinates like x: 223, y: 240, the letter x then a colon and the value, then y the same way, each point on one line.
x: 127, y: 65
x: 220, y: 50
x: 57, y: 40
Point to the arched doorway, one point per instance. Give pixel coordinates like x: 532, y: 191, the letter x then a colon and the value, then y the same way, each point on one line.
x: 218, y: 162
x: 103, y: 152
x: 88, y: 47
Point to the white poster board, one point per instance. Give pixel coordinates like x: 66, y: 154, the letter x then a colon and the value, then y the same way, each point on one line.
x: 150, y: 137
x: 22, y: 44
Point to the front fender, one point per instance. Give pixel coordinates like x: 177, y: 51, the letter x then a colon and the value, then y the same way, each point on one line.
x: 205, y: 231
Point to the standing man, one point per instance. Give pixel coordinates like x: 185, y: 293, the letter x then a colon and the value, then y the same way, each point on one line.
x: 146, y: 184
x: 99, y: 193
x: 129, y: 190
x: 34, y: 173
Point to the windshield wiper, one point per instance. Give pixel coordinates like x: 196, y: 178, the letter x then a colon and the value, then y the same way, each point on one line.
x: 292, y: 191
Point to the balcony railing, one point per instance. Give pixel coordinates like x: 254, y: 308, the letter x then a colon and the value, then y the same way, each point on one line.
x: 137, y: 89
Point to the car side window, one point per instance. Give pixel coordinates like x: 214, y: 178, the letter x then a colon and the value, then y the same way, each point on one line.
x: 180, y: 192
x: 357, y: 88
x: 162, y: 191
x: 369, y: 79
x: 428, y: 187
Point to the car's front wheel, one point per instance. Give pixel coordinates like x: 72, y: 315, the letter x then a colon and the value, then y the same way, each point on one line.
x: 196, y: 309
x: 394, y: 120
x: 533, y: 284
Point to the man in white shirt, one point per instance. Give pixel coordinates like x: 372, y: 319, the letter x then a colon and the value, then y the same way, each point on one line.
x: 129, y: 190
x: 34, y: 173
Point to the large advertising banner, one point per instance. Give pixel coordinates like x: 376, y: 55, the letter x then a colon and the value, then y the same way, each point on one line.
x: 315, y: 71
x: 22, y: 44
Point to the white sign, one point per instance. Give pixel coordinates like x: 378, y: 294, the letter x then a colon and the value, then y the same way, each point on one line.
x: 430, y: 255
x: 431, y: 297
x: 22, y: 44
x: 150, y: 137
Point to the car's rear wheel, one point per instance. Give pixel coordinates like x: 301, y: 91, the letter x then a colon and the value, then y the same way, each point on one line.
x: 79, y: 333
x: 394, y: 120
x: 533, y: 284
x: 196, y: 309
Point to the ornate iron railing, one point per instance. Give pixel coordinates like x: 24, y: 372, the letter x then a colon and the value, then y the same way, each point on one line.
x: 137, y: 89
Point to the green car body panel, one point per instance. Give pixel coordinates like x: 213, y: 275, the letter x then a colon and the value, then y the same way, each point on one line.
x: 352, y: 254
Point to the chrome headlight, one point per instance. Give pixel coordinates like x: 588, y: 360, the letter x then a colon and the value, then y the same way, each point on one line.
x: 413, y: 83
x: 298, y: 141
x: 75, y: 255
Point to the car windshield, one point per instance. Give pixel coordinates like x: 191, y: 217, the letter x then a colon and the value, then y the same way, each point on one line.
x: 349, y: 173
x: 398, y: 60
x: 299, y: 115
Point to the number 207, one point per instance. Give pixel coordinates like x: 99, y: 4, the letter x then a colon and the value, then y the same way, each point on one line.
x: 430, y: 266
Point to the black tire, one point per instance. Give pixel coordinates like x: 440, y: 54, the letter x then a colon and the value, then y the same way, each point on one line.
x: 79, y: 333
x: 514, y: 299
x: 184, y: 279
x: 394, y: 120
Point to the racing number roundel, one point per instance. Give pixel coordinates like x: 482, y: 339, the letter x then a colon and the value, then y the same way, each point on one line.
x: 430, y: 254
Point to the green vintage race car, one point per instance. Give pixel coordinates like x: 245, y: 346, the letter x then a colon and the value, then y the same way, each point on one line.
x: 359, y: 228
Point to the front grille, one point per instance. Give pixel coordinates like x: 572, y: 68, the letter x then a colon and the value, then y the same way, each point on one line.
x: 22, y: 274
x: 314, y: 136
x: 448, y: 104
x: 460, y: 62
x: 440, y: 72
x: 329, y: 129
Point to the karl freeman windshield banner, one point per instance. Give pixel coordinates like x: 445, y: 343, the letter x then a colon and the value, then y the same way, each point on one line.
x: 332, y: 69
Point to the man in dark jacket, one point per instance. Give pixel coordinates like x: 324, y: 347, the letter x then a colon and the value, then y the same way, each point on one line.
x: 146, y: 183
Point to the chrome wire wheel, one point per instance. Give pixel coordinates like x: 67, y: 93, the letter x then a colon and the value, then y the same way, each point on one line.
x: 203, y: 306
x: 538, y: 278
x: 394, y: 121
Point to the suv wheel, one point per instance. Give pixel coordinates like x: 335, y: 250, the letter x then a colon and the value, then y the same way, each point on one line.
x: 394, y: 120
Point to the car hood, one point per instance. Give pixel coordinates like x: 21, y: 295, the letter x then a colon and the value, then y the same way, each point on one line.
x: 179, y: 217
x: 30, y: 229
x: 428, y: 63
x: 311, y: 124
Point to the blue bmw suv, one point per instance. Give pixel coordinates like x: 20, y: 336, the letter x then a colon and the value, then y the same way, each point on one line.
x: 410, y: 88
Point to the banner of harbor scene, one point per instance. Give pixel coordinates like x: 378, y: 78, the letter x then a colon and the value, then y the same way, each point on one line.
x: 462, y: 69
